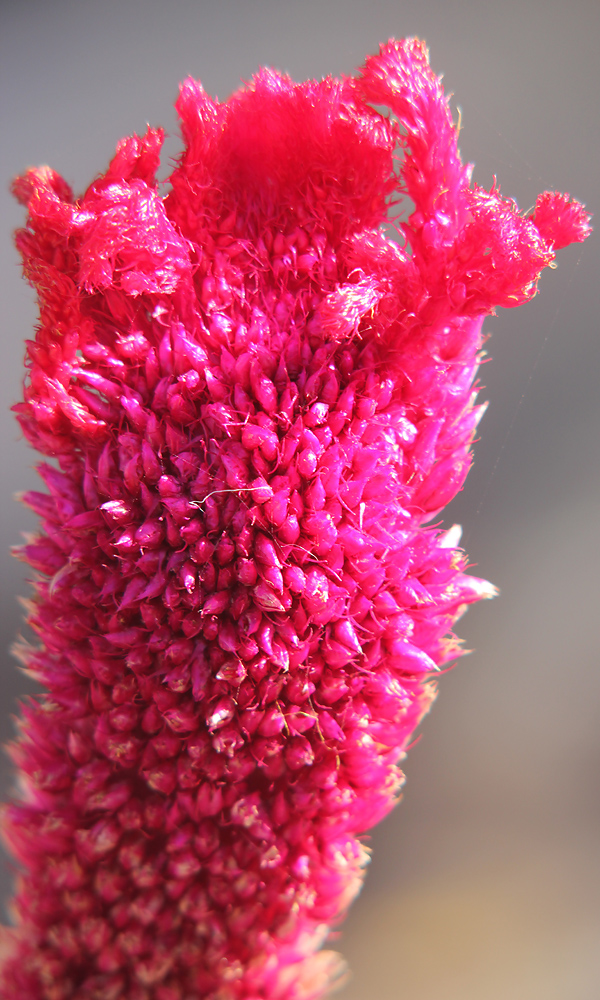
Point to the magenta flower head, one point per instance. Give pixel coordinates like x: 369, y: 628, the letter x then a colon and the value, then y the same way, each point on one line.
x: 256, y: 404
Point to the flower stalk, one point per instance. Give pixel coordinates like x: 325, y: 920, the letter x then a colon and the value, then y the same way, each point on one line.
x: 255, y: 404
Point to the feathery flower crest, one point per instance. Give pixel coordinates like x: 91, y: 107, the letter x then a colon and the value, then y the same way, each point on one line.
x: 256, y: 402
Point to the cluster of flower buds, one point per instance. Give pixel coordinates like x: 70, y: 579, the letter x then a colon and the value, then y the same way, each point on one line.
x: 255, y: 403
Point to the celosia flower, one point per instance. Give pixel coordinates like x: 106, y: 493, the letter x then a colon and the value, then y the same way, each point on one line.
x: 258, y: 403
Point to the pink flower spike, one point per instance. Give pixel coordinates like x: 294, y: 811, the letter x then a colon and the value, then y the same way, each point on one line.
x: 256, y: 404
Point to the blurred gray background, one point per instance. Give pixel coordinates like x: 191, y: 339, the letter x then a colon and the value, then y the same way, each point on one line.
x: 484, y: 883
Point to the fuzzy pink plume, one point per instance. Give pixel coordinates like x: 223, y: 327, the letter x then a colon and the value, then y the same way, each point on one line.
x: 255, y: 402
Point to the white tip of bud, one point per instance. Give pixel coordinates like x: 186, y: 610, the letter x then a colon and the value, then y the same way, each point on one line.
x: 483, y: 588
x: 451, y: 538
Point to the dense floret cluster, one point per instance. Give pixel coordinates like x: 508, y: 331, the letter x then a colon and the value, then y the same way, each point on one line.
x: 255, y: 401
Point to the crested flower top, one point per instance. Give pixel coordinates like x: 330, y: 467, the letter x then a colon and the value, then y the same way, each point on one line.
x: 257, y: 400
